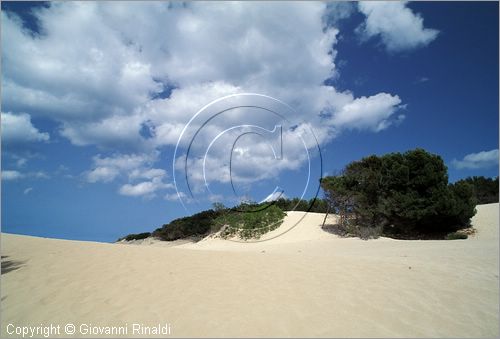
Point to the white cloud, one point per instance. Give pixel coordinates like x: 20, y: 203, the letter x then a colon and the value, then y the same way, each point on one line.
x: 482, y: 159
x: 39, y: 175
x: 99, y: 65
x: 147, y: 174
x: 398, y: 27
x: 125, y: 161
x: 106, y: 169
x: 17, y: 128
x: 367, y: 113
x: 15, y: 175
x: 11, y: 175
x: 80, y: 63
x: 133, y: 168
x: 145, y: 188
x: 337, y: 11
x: 114, y: 132
x: 102, y: 174
x: 20, y: 155
x: 27, y: 190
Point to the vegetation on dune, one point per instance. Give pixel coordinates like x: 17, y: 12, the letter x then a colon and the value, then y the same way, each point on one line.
x: 249, y: 221
x: 195, y: 225
x: 485, y: 189
x: 399, y: 195
x: 137, y: 236
x: 456, y: 236
x: 316, y: 205
x: 245, y: 221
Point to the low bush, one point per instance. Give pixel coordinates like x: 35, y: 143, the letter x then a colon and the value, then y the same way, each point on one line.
x: 456, y: 235
x: 196, y: 225
x: 485, y: 189
x: 317, y: 205
x: 349, y: 228
x: 137, y: 236
x: 249, y: 221
x: 366, y: 233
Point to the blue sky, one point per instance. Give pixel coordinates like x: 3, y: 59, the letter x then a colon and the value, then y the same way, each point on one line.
x: 95, y: 97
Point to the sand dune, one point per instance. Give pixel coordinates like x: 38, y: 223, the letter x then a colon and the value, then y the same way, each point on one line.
x: 306, y: 282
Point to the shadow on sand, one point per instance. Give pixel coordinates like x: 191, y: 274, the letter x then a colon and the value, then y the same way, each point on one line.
x: 10, y: 265
x: 334, y: 229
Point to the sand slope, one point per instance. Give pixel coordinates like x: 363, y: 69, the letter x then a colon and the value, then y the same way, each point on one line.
x: 304, y: 283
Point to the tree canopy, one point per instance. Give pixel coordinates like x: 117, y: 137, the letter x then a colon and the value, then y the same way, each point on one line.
x: 400, y: 194
x: 485, y: 189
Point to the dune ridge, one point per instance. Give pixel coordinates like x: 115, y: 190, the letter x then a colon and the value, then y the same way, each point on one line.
x: 306, y: 282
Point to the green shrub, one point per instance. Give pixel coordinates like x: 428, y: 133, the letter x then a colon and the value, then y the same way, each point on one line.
x: 138, y: 236
x: 249, y: 220
x: 404, y: 195
x: 196, y: 225
x: 485, y: 189
x: 317, y: 205
x: 246, y: 221
x: 456, y: 235
x: 366, y: 233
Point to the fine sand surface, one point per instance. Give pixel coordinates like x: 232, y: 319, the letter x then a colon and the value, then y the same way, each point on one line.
x: 306, y: 282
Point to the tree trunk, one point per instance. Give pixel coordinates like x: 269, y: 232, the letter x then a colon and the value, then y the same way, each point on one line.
x: 326, y: 215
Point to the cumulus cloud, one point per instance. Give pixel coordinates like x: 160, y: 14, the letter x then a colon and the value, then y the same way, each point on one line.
x: 113, y: 132
x: 102, y: 79
x: 17, y: 128
x: 11, y: 175
x: 145, y: 188
x: 478, y: 160
x: 154, y: 182
x: 147, y: 174
x: 106, y: 169
x: 370, y: 113
x: 15, y: 175
x: 136, y: 169
x: 337, y: 11
x: 398, y: 27
x: 102, y: 174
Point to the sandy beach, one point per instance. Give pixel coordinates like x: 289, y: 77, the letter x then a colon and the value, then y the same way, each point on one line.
x: 307, y: 282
